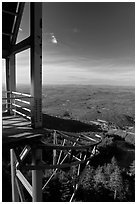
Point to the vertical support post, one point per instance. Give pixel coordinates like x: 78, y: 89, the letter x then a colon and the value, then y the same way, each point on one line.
x: 15, y: 195
x: 36, y: 63
x: 12, y: 66
x: 36, y: 176
x: 54, y: 150
x: 8, y: 85
x: 10, y: 79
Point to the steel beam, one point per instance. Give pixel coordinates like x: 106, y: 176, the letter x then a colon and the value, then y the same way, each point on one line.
x: 21, y: 46
x: 18, y: 21
x: 7, y: 34
x: 8, y: 85
x: 10, y: 79
x: 37, y: 176
x: 20, y: 190
x: 15, y: 195
x: 12, y: 76
x: 9, y: 12
x: 36, y: 63
x: 24, y: 181
x: 5, y: 53
x: 12, y: 69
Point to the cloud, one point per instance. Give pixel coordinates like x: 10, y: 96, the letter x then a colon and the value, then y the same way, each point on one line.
x: 53, y: 38
x: 71, y: 69
x: 49, y: 38
x: 20, y: 29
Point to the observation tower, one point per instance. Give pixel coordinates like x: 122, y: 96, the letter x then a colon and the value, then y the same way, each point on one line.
x: 23, y: 132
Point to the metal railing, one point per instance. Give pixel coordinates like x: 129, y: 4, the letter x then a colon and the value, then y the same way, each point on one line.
x: 18, y: 103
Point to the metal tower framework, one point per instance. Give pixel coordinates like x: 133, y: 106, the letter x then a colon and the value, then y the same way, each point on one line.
x: 66, y: 150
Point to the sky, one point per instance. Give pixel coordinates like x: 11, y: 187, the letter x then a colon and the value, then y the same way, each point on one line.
x: 83, y: 43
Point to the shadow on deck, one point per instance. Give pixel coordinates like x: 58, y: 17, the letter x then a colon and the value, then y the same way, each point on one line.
x: 16, y: 128
x: 68, y: 125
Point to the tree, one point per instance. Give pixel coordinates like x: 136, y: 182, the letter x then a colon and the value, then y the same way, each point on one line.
x: 86, y: 180
x: 132, y: 169
x: 115, y: 183
x: 108, y: 182
x: 99, y: 177
x: 86, y: 185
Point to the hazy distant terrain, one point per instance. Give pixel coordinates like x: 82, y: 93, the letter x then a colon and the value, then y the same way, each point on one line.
x: 88, y: 102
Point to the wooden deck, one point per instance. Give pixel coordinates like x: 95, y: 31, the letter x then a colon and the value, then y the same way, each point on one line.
x: 17, y: 129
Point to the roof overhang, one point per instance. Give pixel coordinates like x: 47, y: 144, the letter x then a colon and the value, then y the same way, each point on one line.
x: 11, y: 19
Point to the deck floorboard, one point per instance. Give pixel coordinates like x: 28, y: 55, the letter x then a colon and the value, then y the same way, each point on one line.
x: 15, y: 128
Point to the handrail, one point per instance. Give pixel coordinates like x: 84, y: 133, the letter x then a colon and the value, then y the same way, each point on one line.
x: 15, y: 97
x: 6, y: 91
x: 26, y: 109
x: 5, y: 98
x: 22, y: 101
x: 19, y: 93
